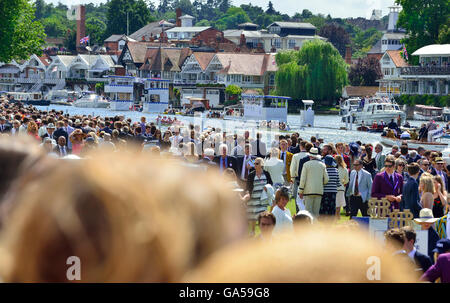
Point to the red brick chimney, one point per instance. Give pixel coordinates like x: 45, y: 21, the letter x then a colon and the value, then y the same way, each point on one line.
x: 348, y: 54
x: 81, y: 25
x: 178, y: 11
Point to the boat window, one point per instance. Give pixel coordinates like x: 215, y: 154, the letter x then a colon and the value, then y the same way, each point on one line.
x: 396, y: 107
x: 379, y: 107
x: 369, y: 108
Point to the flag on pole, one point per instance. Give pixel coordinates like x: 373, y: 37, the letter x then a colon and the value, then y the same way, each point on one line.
x: 405, y: 53
x: 84, y: 40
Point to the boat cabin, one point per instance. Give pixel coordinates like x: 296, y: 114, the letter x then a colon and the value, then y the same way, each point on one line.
x: 423, y: 112
x: 156, y: 95
x: 20, y: 96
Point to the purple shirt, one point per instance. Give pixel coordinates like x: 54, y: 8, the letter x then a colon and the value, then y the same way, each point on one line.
x: 441, y: 269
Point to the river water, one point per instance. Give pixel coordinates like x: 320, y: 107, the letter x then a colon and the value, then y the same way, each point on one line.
x: 325, y: 126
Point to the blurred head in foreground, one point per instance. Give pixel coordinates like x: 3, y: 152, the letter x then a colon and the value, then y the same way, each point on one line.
x: 17, y: 155
x: 322, y: 255
x: 128, y: 218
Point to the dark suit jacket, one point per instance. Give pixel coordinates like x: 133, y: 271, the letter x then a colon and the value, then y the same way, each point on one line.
x: 6, y: 128
x: 61, y: 132
x: 239, y: 163
x: 422, y: 261
x: 410, y: 197
x: 433, y: 237
x: 57, y: 151
x: 300, y: 166
x: 231, y: 162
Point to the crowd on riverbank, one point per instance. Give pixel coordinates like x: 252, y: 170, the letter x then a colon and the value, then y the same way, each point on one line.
x: 131, y: 169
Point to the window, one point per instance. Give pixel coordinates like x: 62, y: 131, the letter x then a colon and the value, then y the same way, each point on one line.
x: 247, y: 79
x: 277, y: 43
x: 291, y: 43
x: 275, y: 29
x: 272, y: 79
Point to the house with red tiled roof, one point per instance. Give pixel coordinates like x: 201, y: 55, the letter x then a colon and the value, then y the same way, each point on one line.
x: 391, y: 64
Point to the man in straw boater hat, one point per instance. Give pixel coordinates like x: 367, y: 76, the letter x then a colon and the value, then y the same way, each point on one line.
x: 312, y: 180
x: 426, y: 221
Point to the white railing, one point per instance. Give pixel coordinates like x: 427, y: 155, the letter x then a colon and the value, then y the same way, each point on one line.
x: 36, y: 87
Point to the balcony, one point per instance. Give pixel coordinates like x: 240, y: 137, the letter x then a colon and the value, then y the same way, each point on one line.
x: 425, y: 71
x: 110, y: 88
x: 8, y: 80
x: 32, y: 79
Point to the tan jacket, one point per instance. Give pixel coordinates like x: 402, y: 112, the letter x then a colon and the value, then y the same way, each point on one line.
x: 314, y: 177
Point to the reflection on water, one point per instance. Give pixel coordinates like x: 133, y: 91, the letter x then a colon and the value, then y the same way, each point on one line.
x: 326, y: 126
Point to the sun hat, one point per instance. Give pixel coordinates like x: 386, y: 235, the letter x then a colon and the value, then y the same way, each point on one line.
x: 329, y: 161
x: 438, y: 160
x: 51, y: 125
x: 354, y: 148
x: 442, y: 246
x: 314, y: 152
x: 425, y: 216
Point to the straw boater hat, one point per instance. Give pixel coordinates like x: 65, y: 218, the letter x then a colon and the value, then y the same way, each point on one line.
x: 425, y: 216
x: 314, y: 152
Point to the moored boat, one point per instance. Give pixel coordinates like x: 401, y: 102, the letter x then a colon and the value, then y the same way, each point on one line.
x: 91, y: 100
x: 414, y: 144
x: 34, y: 98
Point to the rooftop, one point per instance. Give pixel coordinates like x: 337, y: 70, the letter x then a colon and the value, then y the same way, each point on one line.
x: 293, y: 25
x: 433, y: 50
x: 397, y: 58
x: 189, y: 29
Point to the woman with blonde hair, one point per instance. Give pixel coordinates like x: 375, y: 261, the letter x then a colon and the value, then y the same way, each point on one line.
x: 427, y: 190
x: 33, y: 130
x: 256, y: 182
x: 343, y: 177
x: 125, y: 217
x: 76, y: 137
x: 439, y: 197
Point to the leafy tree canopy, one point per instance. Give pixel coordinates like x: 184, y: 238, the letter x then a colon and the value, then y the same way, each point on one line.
x: 20, y: 34
x: 365, y: 72
x: 316, y: 71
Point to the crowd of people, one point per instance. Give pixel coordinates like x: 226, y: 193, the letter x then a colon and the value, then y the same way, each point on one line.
x: 126, y: 191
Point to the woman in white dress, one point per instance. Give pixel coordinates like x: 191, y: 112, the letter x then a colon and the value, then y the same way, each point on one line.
x: 343, y: 177
x: 281, y: 212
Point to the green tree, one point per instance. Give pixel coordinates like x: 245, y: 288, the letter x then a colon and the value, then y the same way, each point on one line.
x: 337, y: 36
x: 233, y: 17
x: 270, y: 10
x: 306, y: 14
x: 444, y: 34
x: 20, y: 34
x: 317, y: 71
x: 138, y: 15
x: 422, y: 20
x: 54, y: 27
x: 185, y: 5
x: 365, y: 72
x: 95, y: 28
x: 70, y: 40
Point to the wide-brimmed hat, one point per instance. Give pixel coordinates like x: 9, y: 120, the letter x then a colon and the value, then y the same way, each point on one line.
x: 354, y: 148
x: 425, y: 216
x: 439, y: 160
x: 329, y: 161
x: 314, y: 152
x: 51, y: 125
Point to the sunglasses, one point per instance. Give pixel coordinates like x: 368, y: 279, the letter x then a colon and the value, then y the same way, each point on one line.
x: 426, y: 164
x: 388, y: 166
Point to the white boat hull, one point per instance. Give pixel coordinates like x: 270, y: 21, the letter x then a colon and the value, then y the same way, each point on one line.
x: 413, y: 144
x: 83, y: 104
x: 420, y: 117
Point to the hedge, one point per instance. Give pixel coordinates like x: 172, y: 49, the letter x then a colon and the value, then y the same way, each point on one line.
x: 431, y: 100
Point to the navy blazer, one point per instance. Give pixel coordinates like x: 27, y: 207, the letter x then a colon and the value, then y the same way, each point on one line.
x: 422, y: 261
x: 410, y: 197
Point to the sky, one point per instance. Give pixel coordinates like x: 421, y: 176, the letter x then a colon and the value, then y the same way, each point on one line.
x: 336, y: 8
